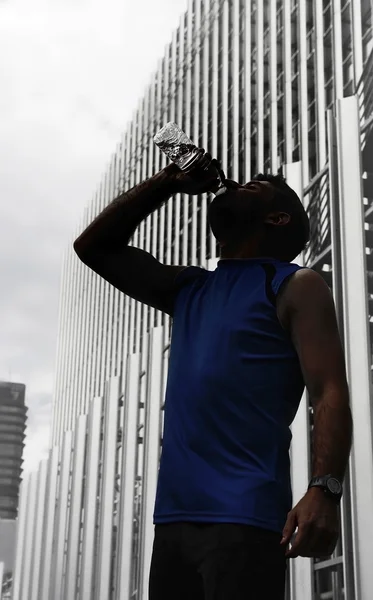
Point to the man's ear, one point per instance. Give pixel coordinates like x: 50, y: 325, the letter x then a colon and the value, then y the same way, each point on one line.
x: 278, y: 218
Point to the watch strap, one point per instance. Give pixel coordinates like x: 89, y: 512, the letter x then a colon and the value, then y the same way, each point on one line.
x: 322, y: 482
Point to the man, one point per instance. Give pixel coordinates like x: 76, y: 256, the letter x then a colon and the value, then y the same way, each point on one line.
x: 246, y: 339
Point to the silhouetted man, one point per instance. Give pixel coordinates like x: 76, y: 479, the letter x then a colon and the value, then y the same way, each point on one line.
x: 246, y: 339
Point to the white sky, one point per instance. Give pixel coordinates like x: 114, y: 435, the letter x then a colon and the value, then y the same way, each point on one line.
x: 71, y: 74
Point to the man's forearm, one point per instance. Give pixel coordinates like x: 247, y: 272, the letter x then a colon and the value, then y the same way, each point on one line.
x: 332, y: 434
x: 112, y: 229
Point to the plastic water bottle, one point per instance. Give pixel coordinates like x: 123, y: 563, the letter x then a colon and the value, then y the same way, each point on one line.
x: 179, y: 148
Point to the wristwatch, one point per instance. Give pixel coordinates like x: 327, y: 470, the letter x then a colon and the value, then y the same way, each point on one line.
x: 331, y: 486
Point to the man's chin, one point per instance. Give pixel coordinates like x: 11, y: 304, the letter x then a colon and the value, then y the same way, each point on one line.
x: 222, y: 223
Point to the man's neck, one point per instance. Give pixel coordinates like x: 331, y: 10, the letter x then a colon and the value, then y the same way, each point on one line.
x: 242, y: 252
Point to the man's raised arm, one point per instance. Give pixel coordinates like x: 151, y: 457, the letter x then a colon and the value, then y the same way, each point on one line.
x: 103, y: 246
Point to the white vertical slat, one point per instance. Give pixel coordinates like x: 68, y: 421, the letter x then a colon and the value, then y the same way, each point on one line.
x: 247, y: 91
x: 49, y: 519
x: 111, y: 290
x: 120, y: 361
x: 112, y: 372
x: 357, y: 342
x: 103, y: 302
x: 128, y: 479
x: 226, y: 116
x: 260, y: 86
x: 1, y: 579
x: 357, y: 40
x: 273, y: 86
x: 337, y: 48
x: 29, y: 537
x: 21, y: 537
x: 65, y: 342
x: 58, y: 554
x: 87, y: 569
x: 204, y: 117
x: 151, y: 451
x: 59, y: 353
x: 303, y: 90
x: 81, y: 327
x: 179, y: 115
x: 337, y: 287
x: 236, y: 125
x: 87, y: 328
x: 320, y: 83
x: 141, y: 238
x: 104, y: 555
x: 96, y: 305
x: 214, y: 59
x: 107, y: 302
x: 72, y: 362
x: 131, y: 176
x: 75, y: 517
x: 288, y: 93
x: 187, y: 120
x: 64, y: 396
x: 38, y: 550
x: 301, y: 568
x: 196, y: 33
x: 171, y: 117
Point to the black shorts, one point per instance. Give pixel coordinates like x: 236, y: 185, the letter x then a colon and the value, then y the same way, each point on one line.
x: 216, y: 562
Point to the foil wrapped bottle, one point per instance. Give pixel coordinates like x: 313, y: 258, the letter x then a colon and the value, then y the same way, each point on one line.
x: 177, y: 146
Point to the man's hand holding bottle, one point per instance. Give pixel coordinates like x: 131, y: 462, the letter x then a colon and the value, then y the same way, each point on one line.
x: 205, y: 176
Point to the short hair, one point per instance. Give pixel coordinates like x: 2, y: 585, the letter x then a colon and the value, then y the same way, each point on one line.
x: 288, y: 241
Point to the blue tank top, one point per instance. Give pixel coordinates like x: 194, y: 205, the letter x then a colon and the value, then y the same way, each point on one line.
x: 234, y: 387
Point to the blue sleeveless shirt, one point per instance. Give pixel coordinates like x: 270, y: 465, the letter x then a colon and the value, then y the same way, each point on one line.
x: 234, y: 387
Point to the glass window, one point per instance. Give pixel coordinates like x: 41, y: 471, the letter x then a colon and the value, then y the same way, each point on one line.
x: 311, y: 42
x: 329, y: 582
x: 294, y: 64
x: 8, y: 502
x: 11, y: 449
x: 312, y: 114
x: 296, y: 134
x: 329, y: 94
x: 9, y: 436
x: 348, y: 70
x: 9, y: 481
x: 327, y: 17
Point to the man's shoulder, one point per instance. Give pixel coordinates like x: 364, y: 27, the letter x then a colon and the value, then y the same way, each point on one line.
x: 191, y: 274
x: 304, y: 287
x: 306, y: 279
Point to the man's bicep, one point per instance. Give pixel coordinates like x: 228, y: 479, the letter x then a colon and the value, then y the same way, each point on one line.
x: 139, y: 275
x: 314, y: 331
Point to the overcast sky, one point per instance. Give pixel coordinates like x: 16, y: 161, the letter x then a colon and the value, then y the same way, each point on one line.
x: 71, y: 74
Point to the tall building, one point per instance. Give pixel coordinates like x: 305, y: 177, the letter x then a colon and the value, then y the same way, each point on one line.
x: 263, y: 86
x: 12, y: 433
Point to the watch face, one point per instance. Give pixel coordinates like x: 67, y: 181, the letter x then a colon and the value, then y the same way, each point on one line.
x: 334, y: 486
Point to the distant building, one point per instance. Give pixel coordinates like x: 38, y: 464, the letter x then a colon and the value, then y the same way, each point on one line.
x: 8, y: 530
x: 12, y: 433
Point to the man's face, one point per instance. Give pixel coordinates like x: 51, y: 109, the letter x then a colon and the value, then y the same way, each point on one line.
x: 239, y: 212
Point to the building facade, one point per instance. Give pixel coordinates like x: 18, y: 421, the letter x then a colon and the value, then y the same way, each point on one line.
x: 12, y: 433
x: 273, y: 85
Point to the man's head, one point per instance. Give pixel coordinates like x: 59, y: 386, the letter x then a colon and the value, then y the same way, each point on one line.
x: 264, y: 216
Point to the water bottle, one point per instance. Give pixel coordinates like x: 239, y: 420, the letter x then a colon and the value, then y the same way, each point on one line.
x: 179, y: 148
